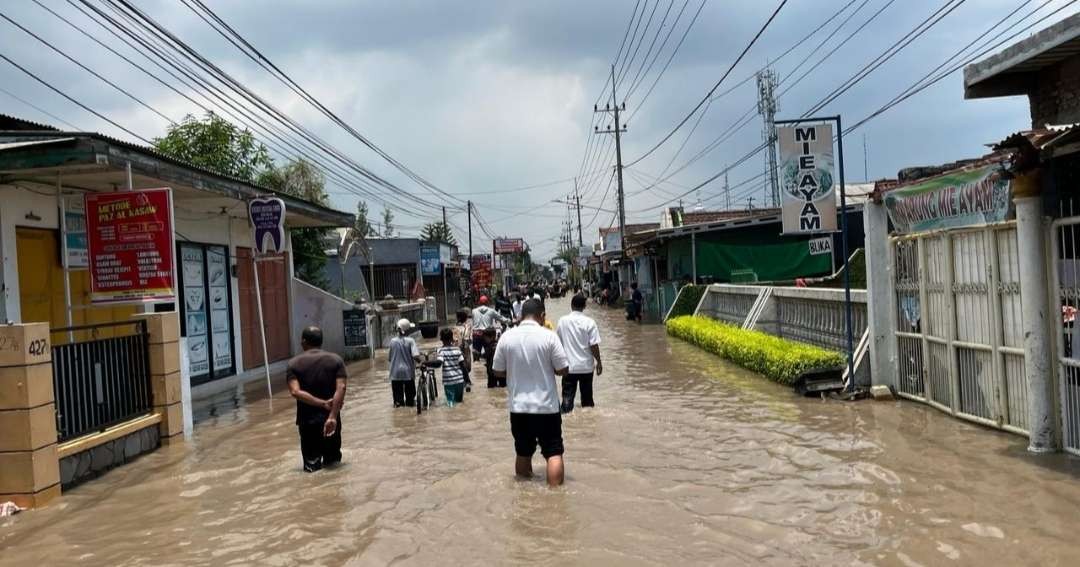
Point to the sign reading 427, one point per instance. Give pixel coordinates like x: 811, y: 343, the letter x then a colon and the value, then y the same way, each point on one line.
x: 806, y: 178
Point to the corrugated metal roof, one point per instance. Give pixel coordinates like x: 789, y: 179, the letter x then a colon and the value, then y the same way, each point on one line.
x: 13, y: 145
x: 50, y: 136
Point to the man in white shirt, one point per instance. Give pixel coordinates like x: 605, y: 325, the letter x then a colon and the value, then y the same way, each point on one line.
x: 529, y: 357
x: 580, y: 339
x: 516, y: 307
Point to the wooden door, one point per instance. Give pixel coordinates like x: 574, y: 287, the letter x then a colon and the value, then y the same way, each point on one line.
x: 273, y: 281
x: 41, y: 287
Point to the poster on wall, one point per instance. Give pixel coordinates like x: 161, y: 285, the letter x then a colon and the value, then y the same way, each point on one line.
x: 192, y: 265
x: 130, y: 246
x: 206, y: 310
x: 965, y: 198
x: 75, y: 252
x: 807, y: 190
x: 430, y: 263
x: 220, y: 318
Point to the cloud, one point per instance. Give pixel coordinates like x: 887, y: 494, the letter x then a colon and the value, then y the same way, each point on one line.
x: 485, y: 95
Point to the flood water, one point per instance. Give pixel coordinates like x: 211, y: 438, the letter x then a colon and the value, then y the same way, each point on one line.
x: 685, y: 460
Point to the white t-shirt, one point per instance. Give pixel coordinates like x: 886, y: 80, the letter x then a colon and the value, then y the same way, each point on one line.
x: 577, y: 332
x: 517, y: 309
x: 530, y: 355
x: 484, y: 318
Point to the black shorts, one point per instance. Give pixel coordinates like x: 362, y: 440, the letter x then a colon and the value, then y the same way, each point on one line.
x: 530, y: 429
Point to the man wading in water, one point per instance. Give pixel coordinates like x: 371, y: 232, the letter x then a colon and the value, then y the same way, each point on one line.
x: 317, y: 380
x: 528, y: 357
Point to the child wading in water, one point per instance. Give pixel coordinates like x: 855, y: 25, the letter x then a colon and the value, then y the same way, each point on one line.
x: 455, y: 366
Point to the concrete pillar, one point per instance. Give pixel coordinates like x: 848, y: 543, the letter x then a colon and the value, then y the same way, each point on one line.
x: 29, y: 466
x: 164, y: 329
x: 880, y: 304
x: 1034, y: 302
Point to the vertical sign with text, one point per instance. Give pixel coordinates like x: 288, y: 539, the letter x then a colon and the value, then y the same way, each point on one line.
x: 808, y: 193
x: 130, y: 246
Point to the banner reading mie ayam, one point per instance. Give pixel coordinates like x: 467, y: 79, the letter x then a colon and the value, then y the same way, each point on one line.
x: 964, y: 198
x: 130, y: 240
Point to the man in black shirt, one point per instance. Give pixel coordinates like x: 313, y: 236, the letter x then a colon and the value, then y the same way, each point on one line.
x: 317, y: 380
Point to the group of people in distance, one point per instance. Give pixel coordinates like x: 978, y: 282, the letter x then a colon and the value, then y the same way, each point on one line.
x: 526, y: 360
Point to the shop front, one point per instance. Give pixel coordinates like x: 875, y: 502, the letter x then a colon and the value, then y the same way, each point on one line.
x: 46, y: 176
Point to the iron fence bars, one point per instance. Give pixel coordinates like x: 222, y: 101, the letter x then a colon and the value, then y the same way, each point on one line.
x: 959, y: 334
x: 102, y: 378
x: 1066, y: 289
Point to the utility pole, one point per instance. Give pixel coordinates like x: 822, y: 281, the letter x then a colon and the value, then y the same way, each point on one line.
x: 468, y: 205
x: 577, y: 199
x: 727, y: 191
x: 618, y: 130
x: 766, y: 81
x: 444, y: 216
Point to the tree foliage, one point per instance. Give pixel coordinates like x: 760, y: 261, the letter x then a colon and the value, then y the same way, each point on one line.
x: 388, y: 222
x: 438, y: 232
x: 362, y: 226
x: 216, y: 144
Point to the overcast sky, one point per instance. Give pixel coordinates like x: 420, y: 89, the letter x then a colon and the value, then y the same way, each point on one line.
x: 483, y: 97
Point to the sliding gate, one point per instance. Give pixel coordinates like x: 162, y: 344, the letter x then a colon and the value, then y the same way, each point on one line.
x: 959, y: 337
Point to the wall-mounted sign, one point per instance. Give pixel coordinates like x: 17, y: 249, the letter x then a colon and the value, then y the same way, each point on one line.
x: 75, y: 252
x: 430, y: 262
x: 808, y: 200
x: 130, y: 246
x: 958, y: 199
x: 821, y: 245
x: 355, y: 324
x: 509, y: 245
x: 267, y: 216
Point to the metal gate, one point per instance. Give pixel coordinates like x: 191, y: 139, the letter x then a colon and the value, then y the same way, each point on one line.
x: 1066, y: 282
x: 959, y: 337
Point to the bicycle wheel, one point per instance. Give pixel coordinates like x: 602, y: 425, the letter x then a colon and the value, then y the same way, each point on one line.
x: 420, y: 395
x: 434, y: 389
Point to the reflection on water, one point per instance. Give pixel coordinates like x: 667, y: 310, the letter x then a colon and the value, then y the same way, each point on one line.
x: 685, y: 460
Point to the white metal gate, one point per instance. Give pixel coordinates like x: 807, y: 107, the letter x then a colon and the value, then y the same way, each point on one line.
x: 1066, y: 284
x: 958, y: 329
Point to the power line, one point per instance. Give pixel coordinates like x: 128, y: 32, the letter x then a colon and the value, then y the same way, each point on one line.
x: 70, y: 98
x: 667, y: 64
x: 38, y: 108
x: 716, y: 86
x: 266, y: 63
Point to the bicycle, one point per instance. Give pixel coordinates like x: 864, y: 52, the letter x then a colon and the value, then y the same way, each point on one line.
x: 427, y: 390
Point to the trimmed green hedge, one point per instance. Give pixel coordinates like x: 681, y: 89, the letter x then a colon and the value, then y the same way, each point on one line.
x: 780, y: 360
x: 687, y: 300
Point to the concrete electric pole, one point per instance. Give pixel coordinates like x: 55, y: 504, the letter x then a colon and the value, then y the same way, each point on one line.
x: 618, y: 130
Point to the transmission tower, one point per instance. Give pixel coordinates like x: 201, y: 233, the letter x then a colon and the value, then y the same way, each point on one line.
x: 766, y: 81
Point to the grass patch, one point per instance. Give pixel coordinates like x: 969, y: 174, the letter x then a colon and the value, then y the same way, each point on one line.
x: 687, y: 300
x: 778, y: 359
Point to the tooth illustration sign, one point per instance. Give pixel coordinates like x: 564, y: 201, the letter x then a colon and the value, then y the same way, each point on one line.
x: 268, y: 221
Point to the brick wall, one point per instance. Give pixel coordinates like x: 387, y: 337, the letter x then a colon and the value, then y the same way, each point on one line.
x: 1056, y: 99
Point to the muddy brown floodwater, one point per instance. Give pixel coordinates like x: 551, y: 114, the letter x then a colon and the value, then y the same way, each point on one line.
x: 685, y: 460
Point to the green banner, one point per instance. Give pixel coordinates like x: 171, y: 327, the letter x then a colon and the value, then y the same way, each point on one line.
x: 765, y: 262
x: 964, y: 198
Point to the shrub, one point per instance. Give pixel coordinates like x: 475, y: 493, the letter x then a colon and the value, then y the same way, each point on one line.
x: 778, y: 359
x: 687, y: 300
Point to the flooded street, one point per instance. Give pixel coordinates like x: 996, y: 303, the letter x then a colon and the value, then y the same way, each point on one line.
x: 685, y: 460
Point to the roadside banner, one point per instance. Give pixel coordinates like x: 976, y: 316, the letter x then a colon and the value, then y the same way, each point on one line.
x: 509, y: 245
x: 963, y: 198
x: 267, y: 216
x: 130, y: 246
x: 481, y: 270
x: 808, y: 199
